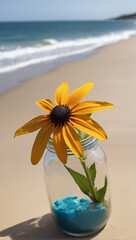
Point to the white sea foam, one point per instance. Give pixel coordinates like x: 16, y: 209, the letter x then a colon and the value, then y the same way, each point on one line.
x: 51, y: 49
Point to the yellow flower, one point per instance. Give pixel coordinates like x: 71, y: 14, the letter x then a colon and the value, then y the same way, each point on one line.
x: 69, y: 113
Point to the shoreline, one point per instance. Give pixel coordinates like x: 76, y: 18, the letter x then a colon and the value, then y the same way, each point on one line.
x: 11, y: 79
x: 24, y: 199
x: 14, y: 78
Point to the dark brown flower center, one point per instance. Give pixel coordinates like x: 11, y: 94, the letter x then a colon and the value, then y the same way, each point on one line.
x: 60, y: 114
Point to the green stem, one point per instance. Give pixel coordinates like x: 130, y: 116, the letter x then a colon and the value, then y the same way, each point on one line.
x: 89, y: 178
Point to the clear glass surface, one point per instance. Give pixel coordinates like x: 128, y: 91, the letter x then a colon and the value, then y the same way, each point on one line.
x: 63, y: 190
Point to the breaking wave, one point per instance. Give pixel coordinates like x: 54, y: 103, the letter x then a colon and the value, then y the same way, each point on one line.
x: 15, y: 57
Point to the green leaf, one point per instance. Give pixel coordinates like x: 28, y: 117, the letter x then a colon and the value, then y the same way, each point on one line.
x: 92, y: 172
x: 81, y: 181
x: 85, y: 135
x: 104, y: 204
x: 89, y: 115
x: 100, y: 194
x: 83, y: 158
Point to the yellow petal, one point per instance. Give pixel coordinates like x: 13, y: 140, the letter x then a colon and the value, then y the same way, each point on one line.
x: 59, y: 144
x: 88, y: 107
x: 61, y: 94
x: 45, y: 104
x: 77, y: 95
x: 72, y: 140
x: 41, y: 142
x: 32, y: 125
x: 89, y: 126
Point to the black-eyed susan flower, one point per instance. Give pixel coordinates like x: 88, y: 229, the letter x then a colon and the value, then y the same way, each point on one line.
x: 61, y: 121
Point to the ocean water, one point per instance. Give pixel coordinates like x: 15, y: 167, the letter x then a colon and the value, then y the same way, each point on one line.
x: 26, y: 43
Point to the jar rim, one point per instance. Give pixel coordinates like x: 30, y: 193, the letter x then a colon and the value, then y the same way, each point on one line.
x: 86, y: 143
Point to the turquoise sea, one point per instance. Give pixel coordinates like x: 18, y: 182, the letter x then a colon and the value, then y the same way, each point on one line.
x: 28, y: 44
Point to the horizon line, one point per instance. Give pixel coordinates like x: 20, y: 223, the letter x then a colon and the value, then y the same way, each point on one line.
x: 66, y: 20
x: 54, y: 20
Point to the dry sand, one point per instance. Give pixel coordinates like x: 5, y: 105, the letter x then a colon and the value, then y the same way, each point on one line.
x: 24, y: 209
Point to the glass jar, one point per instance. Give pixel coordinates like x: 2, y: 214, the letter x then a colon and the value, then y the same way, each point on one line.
x: 74, y: 212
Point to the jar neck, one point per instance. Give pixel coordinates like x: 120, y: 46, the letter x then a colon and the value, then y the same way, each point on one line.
x: 86, y: 143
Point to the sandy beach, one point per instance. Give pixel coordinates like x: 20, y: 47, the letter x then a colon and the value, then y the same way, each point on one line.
x: 24, y: 208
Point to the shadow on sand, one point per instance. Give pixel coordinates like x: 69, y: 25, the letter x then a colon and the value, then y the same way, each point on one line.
x: 37, y: 229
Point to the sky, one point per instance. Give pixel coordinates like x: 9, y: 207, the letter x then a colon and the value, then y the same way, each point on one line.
x: 30, y: 10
